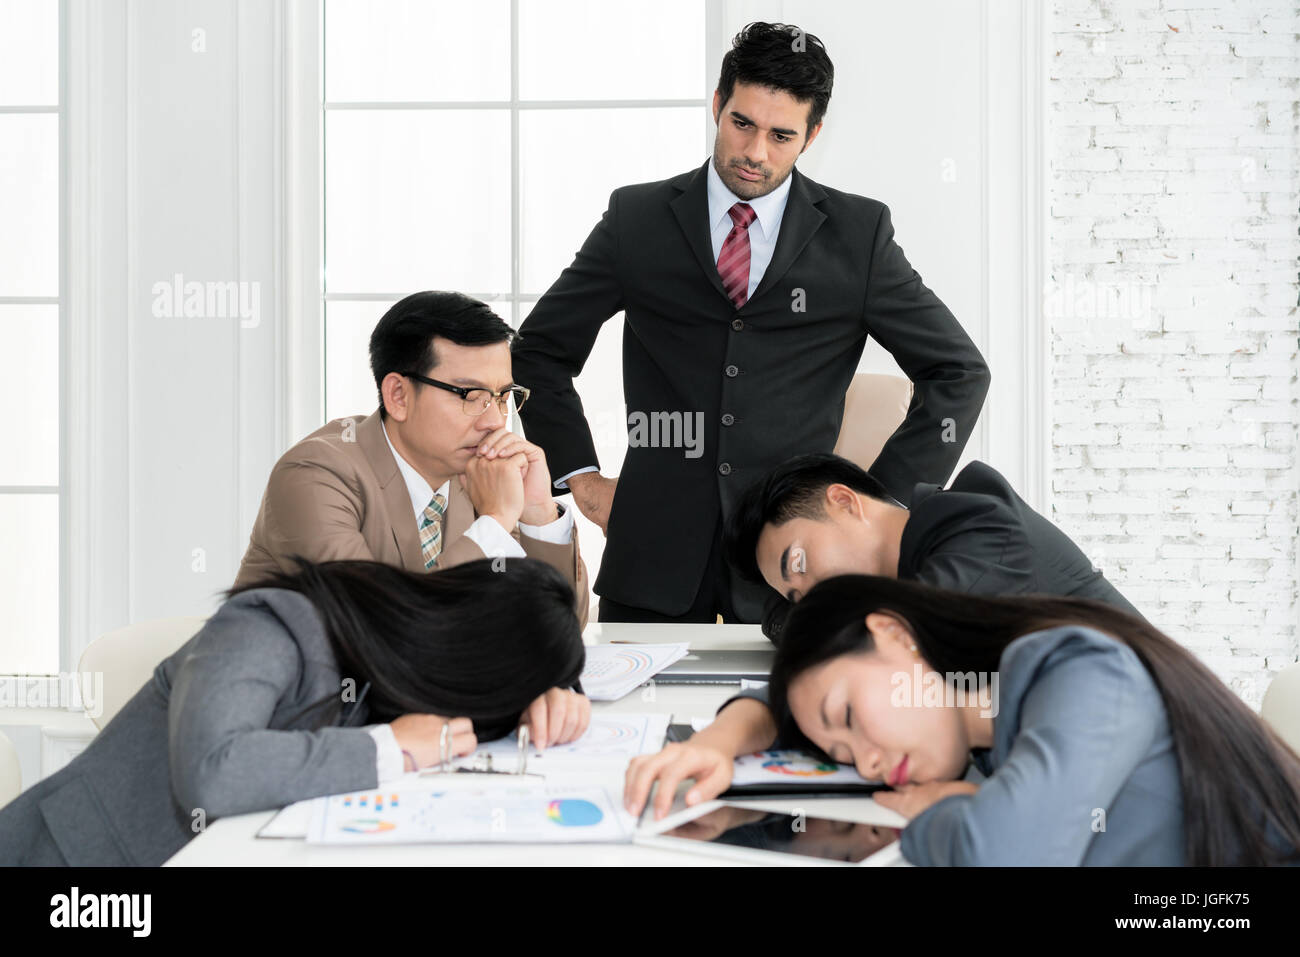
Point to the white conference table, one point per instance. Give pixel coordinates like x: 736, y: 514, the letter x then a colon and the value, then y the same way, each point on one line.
x: 234, y: 841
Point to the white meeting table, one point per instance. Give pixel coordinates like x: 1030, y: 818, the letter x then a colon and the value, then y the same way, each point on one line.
x: 233, y: 840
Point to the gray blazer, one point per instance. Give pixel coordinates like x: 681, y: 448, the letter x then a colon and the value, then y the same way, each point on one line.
x: 216, y: 731
x: 1081, y: 741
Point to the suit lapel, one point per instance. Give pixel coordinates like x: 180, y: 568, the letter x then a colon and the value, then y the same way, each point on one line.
x: 692, y: 211
x: 393, y: 493
x: 801, y: 219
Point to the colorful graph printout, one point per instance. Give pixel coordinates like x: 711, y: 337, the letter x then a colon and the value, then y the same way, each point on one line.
x: 488, y: 815
x: 613, y: 671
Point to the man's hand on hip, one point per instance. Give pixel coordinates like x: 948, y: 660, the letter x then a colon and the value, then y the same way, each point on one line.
x: 594, y: 496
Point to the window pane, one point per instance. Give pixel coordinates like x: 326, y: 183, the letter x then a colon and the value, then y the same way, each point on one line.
x: 29, y: 204
x: 404, y: 50
x: 417, y: 199
x: 349, y: 387
x: 29, y: 380
x: 29, y: 53
x: 570, y: 160
x: 29, y: 584
x: 349, y: 384
x: 594, y: 49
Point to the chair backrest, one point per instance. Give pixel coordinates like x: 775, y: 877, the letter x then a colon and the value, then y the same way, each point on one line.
x: 11, y: 772
x: 1281, y: 706
x: 874, y: 407
x: 126, y: 657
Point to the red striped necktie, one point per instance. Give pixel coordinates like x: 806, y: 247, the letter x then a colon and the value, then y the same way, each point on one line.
x: 733, y: 261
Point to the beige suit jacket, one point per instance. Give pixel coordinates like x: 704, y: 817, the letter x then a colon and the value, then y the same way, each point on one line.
x: 338, y: 494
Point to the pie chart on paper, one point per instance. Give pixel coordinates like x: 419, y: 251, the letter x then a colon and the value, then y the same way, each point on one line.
x: 571, y: 812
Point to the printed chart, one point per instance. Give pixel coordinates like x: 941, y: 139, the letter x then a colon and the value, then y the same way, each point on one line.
x: 767, y: 767
x: 613, y: 671
x: 618, y: 737
x: 492, y: 815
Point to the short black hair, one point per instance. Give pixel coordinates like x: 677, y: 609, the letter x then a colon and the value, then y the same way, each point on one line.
x: 780, y: 57
x: 403, y: 340
x: 794, y: 489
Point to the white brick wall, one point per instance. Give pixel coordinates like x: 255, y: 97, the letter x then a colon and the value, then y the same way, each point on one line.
x: 1175, y: 205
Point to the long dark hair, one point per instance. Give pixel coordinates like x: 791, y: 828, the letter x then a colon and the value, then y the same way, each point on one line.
x: 480, y: 640
x: 1240, y: 781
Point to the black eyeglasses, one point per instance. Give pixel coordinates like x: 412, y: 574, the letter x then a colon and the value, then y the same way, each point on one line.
x: 476, y: 401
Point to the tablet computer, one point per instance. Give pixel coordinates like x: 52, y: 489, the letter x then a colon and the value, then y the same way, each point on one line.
x: 743, y: 832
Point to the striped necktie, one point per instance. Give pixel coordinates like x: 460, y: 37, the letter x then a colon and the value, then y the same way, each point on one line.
x: 431, y: 530
x: 733, y: 260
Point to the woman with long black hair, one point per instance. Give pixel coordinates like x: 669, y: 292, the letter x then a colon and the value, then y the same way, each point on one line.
x: 331, y: 679
x: 1101, y: 740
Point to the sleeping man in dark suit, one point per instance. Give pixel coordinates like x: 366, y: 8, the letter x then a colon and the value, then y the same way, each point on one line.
x: 748, y: 293
x: 818, y: 516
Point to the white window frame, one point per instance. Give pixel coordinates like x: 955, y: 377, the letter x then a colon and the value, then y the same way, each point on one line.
x: 312, y: 393
x: 60, y: 302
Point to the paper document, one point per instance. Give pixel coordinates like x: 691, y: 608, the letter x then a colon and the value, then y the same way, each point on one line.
x: 791, y: 767
x: 609, y: 737
x: 496, y: 814
x: 292, y: 821
x: 613, y: 671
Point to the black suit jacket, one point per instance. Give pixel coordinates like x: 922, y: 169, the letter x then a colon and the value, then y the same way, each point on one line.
x: 980, y: 537
x: 767, y: 381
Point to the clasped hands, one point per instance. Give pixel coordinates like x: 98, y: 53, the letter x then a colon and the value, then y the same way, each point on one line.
x: 508, y: 480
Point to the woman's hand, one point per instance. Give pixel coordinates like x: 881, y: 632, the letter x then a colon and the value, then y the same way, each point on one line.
x: 911, y: 799
x: 421, y: 735
x: 557, y: 717
x: 710, y: 767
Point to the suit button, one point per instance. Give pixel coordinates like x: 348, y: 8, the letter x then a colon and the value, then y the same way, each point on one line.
x: 724, y: 468
x: 738, y: 324
x: 728, y: 419
x: 732, y: 372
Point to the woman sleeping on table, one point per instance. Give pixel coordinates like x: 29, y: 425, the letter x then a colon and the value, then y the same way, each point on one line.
x: 1102, y: 740
x: 269, y: 703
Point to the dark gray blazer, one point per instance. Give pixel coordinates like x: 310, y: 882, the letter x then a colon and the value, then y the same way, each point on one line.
x: 216, y: 731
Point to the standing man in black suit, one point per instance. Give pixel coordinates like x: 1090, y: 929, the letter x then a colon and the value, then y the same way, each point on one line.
x: 748, y: 293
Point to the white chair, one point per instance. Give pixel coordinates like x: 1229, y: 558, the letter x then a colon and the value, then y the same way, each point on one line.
x: 874, y: 407
x: 11, y: 773
x: 126, y: 657
x: 1280, y: 708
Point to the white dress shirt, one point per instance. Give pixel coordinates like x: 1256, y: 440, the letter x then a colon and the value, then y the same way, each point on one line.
x: 769, y: 210
x: 489, y: 535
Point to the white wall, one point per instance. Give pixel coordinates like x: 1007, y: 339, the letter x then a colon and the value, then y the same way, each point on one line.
x: 1174, y: 218
x: 191, y: 402
x: 174, y: 165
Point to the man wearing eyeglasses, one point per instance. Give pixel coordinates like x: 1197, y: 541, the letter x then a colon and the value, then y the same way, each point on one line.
x: 432, y: 479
